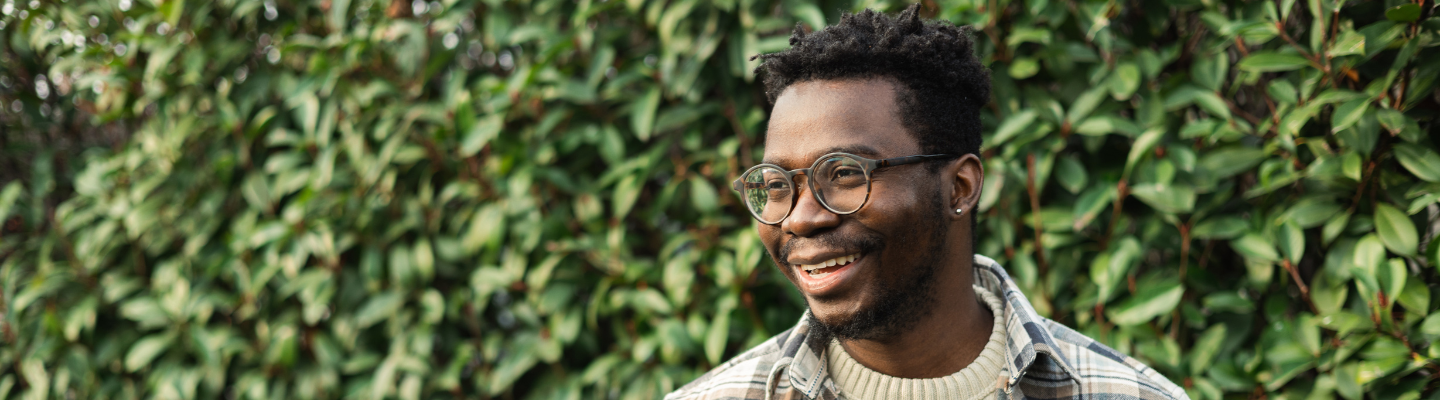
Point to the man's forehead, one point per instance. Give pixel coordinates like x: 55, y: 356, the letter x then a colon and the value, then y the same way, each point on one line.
x: 808, y: 156
x: 814, y: 118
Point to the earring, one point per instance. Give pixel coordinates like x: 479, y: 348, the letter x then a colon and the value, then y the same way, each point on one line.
x: 959, y: 211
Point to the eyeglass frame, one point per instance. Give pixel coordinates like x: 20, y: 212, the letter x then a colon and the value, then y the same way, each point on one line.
x: 869, y: 165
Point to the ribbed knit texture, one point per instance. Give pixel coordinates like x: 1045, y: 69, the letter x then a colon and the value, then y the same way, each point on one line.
x: 978, y: 380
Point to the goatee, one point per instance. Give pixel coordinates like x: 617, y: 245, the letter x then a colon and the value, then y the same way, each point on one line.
x: 898, y: 306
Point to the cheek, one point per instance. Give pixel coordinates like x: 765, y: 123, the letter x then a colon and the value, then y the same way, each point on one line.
x: 770, y: 237
x: 896, y: 207
x: 904, y: 217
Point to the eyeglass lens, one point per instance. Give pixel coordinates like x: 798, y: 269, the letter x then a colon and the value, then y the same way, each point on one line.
x: 840, y: 184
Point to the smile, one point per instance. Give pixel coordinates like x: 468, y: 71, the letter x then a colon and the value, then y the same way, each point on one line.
x: 827, y: 267
x: 825, y: 278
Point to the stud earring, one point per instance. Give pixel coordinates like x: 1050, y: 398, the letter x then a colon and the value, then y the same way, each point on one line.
x: 959, y: 211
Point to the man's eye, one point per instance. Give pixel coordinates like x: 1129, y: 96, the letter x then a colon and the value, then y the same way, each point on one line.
x: 846, y: 174
x: 777, y: 185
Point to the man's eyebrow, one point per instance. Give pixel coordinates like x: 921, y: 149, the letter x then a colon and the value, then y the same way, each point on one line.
x: 856, y: 149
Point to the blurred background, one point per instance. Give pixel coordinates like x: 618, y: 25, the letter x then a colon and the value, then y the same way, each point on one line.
x: 371, y: 199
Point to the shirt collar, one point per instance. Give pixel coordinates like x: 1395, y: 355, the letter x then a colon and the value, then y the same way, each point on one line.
x: 1026, y: 332
x: 1026, y: 337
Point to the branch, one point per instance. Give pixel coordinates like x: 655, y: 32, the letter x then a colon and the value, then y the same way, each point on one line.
x: 1035, y: 210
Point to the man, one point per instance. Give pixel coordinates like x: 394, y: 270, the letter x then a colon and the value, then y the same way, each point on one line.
x: 865, y: 202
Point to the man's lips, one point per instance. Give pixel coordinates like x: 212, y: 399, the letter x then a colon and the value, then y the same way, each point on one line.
x: 819, y: 277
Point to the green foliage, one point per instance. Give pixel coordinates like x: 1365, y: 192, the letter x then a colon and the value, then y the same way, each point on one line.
x: 467, y: 199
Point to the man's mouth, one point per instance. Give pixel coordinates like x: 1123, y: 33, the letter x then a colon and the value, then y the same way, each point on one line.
x: 827, y: 267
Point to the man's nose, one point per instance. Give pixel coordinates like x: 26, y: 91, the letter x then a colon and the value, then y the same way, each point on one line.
x: 809, y: 217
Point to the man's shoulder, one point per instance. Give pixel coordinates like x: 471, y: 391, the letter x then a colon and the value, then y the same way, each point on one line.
x: 1101, y: 369
x: 742, y: 377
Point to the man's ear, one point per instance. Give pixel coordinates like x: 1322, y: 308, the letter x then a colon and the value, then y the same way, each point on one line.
x: 967, y: 178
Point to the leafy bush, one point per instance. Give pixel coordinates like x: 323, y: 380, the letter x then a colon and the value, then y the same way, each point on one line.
x: 467, y: 199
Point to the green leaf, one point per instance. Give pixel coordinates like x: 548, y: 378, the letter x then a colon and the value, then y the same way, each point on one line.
x: 379, y: 308
x: 481, y: 134
x: 1213, y: 104
x: 1334, y: 227
x: 1369, y: 253
x: 1431, y: 326
x: 1209, y: 70
x: 1255, y: 246
x: 145, y: 350
x: 1222, y: 163
x: 1379, y: 35
x: 1071, y: 174
x: 424, y: 258
x: 487, y: 226
x: 1091, y: 203
x: 1142, y: 146
x: 1028, y: 35
x: 1432, y: 253
x: 1150, y: 302
x: 718, y: 334
x: 1173, y: 199
x: 1391, y: 277
x: 627, y: 191
x: 1312, y: 211
x: 1205, y: 349
x: 1349, y: 43
x: 1396, y: 230
x: 1282, y: 91
x: 642, y: 114
x: 1220, y: 227
x: 7, y: 199
x: 1108, y: 269
x: 1125, y: 81
x: 1267, y: 61
x: 1392, y: 120
x: 1346, y: 115
x: 1415, y: 297
x: 1292, y: 242
x: 808, y: 12
x: 703, y: 195
x: 1085, y: 103
x: 1013, y: 125
x: 1024, y: 67
x: 1328, y: 294
x: 1408, y: 12
x: 652, y: 300
x: 1422, y: 162
x: 1101, y: 125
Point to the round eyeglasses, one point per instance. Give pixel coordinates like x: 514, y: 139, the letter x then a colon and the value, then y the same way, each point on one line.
x: 839, y: 181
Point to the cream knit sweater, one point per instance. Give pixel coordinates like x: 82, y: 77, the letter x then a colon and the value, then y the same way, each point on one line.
x: 976, y: 381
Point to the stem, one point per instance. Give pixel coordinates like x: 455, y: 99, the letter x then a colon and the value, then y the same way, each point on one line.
x: 1315, y: 61
x: 1121, y: 190
x: 1035, y: 210
x: 1184, y: 250
x: 1304, y: 290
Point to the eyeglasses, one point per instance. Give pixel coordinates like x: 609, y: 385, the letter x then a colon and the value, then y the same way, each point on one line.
x: 839, y: 181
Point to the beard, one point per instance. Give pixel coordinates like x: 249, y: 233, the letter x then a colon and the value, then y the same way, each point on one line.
x: 898, y: 304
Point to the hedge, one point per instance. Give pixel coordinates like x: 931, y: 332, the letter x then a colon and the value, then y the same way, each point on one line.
x: 525, y: 199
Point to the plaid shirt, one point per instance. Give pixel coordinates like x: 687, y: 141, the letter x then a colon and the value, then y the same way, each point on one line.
x: 1073, y: 366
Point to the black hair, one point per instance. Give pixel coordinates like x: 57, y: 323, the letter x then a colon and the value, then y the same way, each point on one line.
x: 940, y: 84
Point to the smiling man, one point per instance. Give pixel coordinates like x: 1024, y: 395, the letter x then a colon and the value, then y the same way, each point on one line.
x: 864, y: 201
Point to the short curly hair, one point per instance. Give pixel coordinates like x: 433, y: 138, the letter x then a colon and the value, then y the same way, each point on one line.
x: 940, y: 84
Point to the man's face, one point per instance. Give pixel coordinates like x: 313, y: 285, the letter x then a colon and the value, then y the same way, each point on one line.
x: 897, y: 235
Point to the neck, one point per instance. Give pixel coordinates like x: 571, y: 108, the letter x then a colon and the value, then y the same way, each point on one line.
x: 945, y: 341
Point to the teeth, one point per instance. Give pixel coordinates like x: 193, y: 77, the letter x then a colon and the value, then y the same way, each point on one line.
x: 842, y: 260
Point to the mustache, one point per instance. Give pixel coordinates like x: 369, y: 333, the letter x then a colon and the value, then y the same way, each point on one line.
x: 854, y: 243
